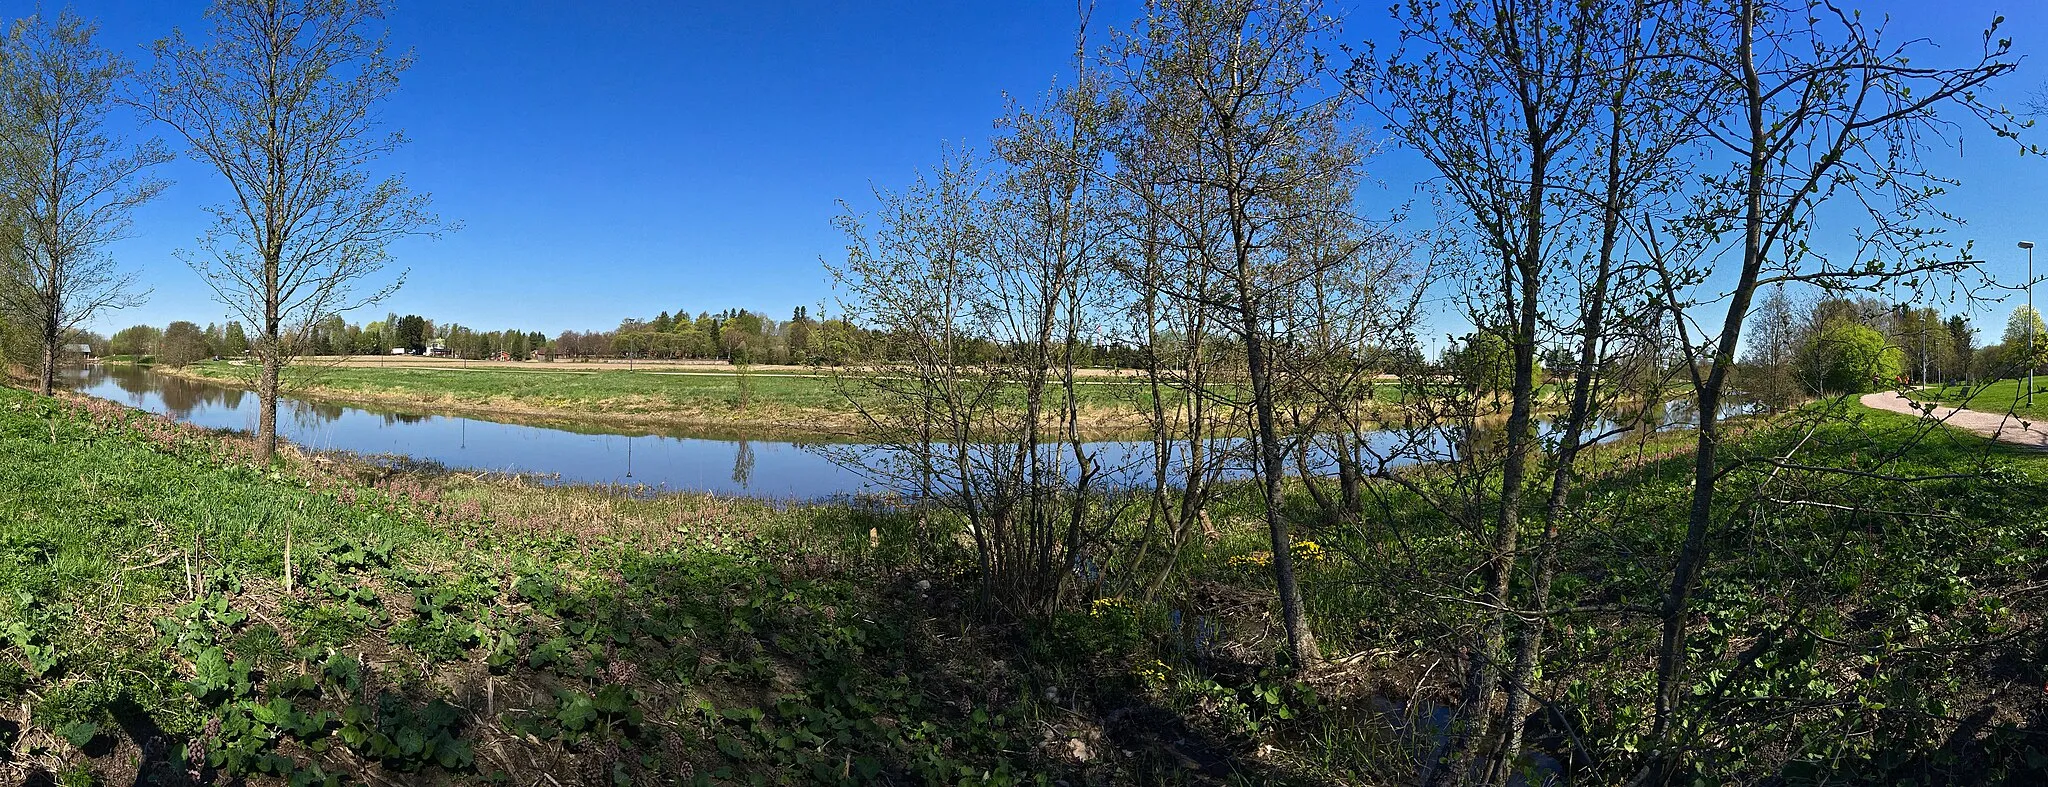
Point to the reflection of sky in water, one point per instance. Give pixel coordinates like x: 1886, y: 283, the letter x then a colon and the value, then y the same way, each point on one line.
x: 760, y: 468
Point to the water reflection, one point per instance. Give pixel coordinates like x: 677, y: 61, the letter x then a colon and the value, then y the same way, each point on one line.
x: 680, y: 461
x: 743, y: 464
x: 673, y: 461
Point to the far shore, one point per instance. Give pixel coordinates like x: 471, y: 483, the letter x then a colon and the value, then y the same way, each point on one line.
x: 697, y: 398
x: 784, y: 401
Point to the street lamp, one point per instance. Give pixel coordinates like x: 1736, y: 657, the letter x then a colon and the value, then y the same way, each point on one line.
x: 2032, y: 316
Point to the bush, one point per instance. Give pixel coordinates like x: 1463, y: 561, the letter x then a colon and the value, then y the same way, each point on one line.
x: 1847, y: 357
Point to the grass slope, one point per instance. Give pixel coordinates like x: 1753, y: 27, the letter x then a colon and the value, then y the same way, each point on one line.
x: 172, y: 613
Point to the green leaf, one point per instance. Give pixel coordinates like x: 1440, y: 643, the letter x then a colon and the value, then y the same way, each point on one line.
x: 78, y: 733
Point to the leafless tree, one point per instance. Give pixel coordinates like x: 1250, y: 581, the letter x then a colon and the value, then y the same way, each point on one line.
x: 986, y: 287
x: 1499, y: 97
x: 1812, y: 104
x: 282, y: 103
x: 67, y: 186
x: 1241, y: 119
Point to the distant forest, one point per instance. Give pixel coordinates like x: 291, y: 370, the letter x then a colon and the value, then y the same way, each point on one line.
x: 737, y: 336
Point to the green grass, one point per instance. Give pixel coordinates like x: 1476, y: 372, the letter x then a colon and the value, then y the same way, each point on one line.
x: 686, y: 398
x: 442, y: 630
x: 2001, y: 396
x: 438, y: 631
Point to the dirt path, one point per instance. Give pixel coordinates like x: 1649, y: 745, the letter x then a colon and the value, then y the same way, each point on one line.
x: 1997, y: 426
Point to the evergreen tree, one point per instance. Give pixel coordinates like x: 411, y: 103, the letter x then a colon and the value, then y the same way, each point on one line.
x: 234, y: 342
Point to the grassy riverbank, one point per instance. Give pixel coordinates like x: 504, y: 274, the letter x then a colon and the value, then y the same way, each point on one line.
x: 169, y: 609
x: 783, y: 402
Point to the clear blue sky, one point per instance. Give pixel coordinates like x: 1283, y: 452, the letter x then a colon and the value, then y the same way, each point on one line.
x: 613, y: 159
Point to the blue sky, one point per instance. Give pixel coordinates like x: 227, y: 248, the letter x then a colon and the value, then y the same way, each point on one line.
x: 612, y: 159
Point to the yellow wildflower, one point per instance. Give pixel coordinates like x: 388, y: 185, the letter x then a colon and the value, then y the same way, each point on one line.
x: 1112, y: 606
x: 1254, y: 560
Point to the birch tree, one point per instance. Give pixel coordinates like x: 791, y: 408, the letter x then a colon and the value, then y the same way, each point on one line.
x: 281, y: 102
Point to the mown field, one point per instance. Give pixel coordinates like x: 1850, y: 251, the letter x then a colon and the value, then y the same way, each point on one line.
x: 790, y: 401
x: 173, y: 613
x: 807, y: 403
x: 1999, y: 396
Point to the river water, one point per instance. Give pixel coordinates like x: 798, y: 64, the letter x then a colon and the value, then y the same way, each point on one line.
x: 661, y: 460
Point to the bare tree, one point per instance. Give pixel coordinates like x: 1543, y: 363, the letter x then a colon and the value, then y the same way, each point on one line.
x: 1499, y: 97
x: 67, y: 186
x: 281, y: 102
x: 987, y: 287
x: 1236, y: 108
x: 1184, y: 359
x: 1812, y: 104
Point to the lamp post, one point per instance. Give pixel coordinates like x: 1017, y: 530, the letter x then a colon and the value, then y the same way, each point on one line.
x: 2032, y: 317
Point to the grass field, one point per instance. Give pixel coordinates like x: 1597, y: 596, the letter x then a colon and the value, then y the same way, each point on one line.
x: 169, y: 609
x: 2002, y: 396
x: 695, y: 395
x: 781, y: 400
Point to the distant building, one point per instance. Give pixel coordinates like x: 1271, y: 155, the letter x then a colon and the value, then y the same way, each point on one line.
x: 84, y: 350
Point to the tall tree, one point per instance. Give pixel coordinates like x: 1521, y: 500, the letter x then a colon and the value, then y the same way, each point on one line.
x: 2025, y: 340
x: 799, y: 336
x: 1962, y: 345
x: 1808, y: 102
x: 1773, y: 348
x: 281, y: 102
x: 234, y: 340
x: 183, y: 343
x: 412, y: 332
x: 1499, y: 97
x: 1238, y: 105
x: 67, y: 187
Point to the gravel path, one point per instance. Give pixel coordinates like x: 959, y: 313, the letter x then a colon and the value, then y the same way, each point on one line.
x: 1997, y: 426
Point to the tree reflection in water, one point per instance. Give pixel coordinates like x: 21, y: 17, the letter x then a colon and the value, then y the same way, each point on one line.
x: 743, y: 464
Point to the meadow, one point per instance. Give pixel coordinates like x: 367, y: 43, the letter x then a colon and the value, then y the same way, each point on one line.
x: 785, y: 401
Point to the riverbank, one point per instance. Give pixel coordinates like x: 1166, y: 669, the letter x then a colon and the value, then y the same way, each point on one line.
x: 762, y: 404
x: 712, y: 400
x: 184, y: 612
x: 170, y: 607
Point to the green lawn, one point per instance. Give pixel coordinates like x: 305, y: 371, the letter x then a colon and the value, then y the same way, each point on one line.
x: 2002, y: 396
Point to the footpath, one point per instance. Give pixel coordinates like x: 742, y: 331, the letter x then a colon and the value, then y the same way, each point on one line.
x: 2003, y: 427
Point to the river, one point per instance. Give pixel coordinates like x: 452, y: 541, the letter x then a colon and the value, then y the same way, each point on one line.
x: 659, y: 460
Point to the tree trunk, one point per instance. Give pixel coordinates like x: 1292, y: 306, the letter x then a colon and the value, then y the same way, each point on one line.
x: 1301, y: 642
x: 1528, y: 649
x: 266, y: 395
x: 47, y: 378
x: 1521, y: 285
x: 1692, y: 556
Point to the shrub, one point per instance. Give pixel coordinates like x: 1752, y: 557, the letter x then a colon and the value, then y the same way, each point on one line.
x: 1847, y: 357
